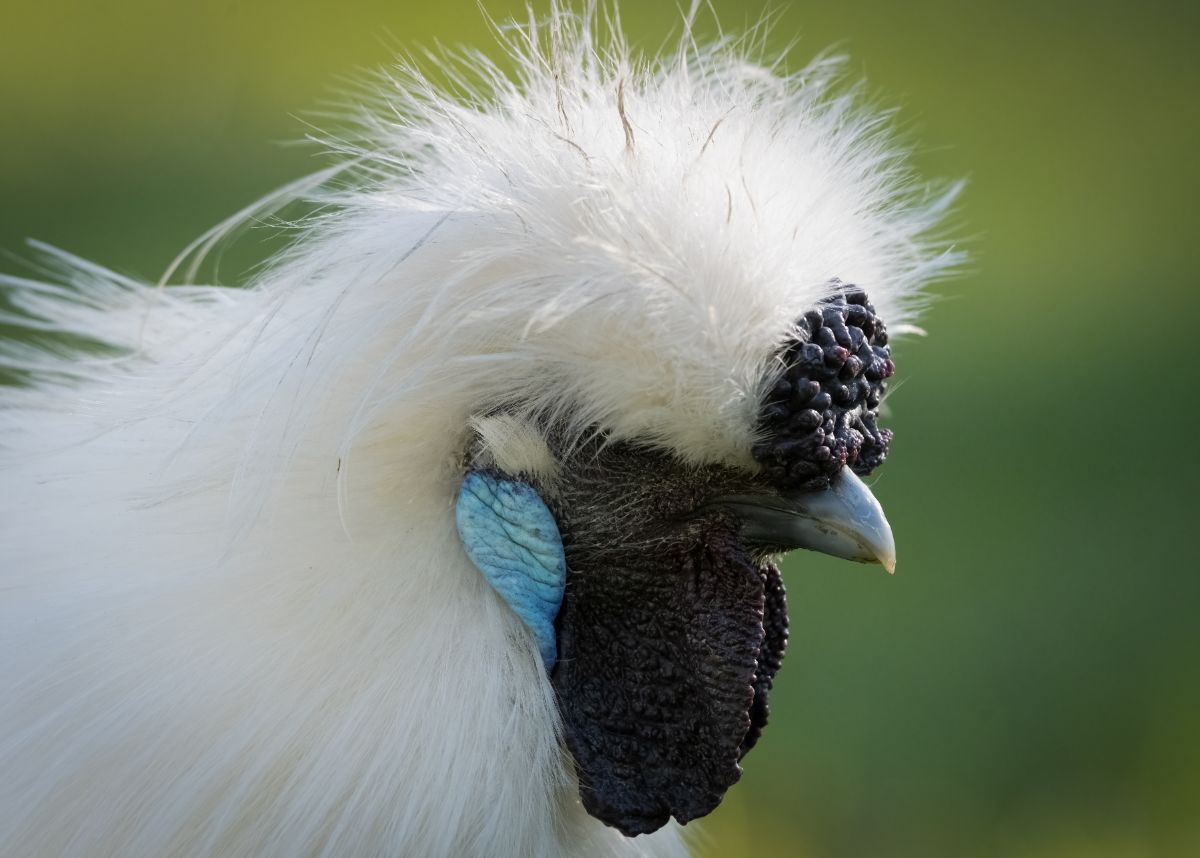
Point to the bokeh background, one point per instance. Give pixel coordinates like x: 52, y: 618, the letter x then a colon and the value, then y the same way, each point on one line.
x: 1028, y: 684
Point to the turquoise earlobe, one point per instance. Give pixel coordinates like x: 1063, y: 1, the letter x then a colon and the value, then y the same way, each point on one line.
x: 511, y: 536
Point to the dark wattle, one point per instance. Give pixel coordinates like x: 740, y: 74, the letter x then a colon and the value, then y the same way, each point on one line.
x: 770, y: 656
x: 663, y: 672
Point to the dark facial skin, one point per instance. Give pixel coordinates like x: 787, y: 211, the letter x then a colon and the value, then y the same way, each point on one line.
x: 673, y: 623
x: 671, y: 630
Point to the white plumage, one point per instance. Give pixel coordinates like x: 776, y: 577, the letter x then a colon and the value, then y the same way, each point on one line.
x: 235, y: 615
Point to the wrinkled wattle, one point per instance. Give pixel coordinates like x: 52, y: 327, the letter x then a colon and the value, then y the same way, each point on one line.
x: 822, y: 414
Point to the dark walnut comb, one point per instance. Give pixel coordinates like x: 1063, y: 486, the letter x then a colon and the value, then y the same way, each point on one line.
x: 822, y: 414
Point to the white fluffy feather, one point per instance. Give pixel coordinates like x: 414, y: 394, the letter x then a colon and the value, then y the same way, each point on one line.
x: 235, y: 616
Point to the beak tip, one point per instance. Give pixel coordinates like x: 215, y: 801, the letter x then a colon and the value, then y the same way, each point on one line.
x: 888, y: 563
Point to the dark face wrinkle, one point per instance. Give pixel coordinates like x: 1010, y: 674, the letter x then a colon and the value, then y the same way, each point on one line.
x: 669, y: 638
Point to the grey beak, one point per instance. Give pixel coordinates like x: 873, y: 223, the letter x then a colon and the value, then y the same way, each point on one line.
x: 844, y: 520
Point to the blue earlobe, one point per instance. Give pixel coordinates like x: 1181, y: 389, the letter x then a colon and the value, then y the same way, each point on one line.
x: 511, y: 536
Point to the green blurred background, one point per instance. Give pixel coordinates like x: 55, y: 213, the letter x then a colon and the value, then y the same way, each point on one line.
x: 1028, y: 684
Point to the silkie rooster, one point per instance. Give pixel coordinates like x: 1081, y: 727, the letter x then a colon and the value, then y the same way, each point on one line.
x: 454, y: 534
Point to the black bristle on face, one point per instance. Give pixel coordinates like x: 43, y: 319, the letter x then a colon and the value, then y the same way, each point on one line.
x: 822, y: 414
